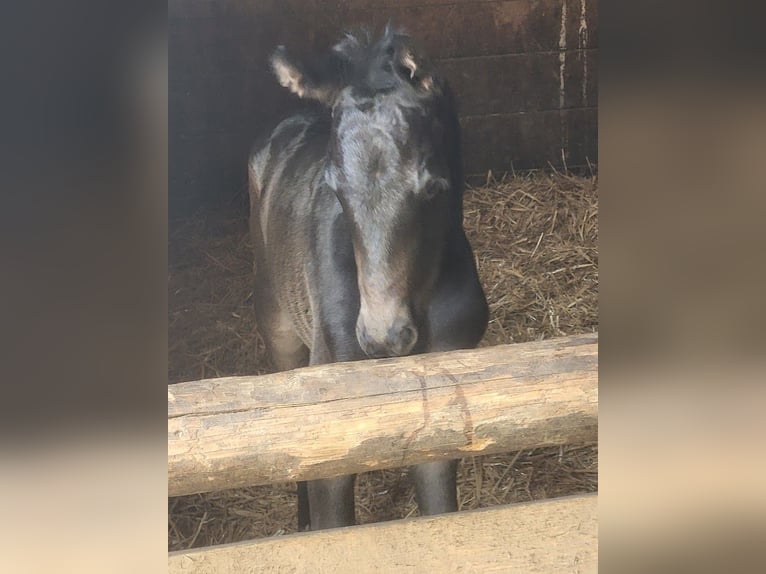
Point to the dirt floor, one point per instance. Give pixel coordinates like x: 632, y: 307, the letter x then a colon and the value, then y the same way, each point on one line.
x: 536, y: 241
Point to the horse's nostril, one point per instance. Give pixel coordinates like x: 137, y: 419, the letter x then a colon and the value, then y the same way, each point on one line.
x: 368, y: 344
x: 399, y: 340
x: 408, y: 336
x: 402, y: 339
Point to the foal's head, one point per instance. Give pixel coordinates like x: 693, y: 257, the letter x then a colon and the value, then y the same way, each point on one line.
x: 394, y: 163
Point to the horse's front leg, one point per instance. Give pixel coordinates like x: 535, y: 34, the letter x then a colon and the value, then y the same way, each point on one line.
x: 457, y: 319
x: 329, y: 503
x: 435, y: 486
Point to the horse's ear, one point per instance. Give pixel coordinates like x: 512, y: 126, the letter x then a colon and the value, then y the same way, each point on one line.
x: 319, y: 82
x: 415, y: 68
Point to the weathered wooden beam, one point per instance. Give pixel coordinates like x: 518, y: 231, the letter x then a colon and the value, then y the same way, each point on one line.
x: 343, y: 418
x: 559, y: 535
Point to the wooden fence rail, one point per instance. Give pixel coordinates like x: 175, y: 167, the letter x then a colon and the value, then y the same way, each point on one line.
x: 559, y: 535
x: 343, y: 418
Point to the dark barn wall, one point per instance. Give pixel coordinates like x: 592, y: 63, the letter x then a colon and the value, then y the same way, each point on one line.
x: 524, y: 71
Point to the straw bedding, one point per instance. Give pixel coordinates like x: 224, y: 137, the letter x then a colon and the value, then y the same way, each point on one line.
x: 535, y: 238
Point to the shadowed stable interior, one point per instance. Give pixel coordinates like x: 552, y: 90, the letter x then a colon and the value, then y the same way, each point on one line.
x: 524, y: 72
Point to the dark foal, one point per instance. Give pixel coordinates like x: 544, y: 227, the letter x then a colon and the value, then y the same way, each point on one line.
x: 356, y: 221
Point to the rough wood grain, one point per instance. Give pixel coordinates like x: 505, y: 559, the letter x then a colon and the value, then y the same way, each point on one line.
x: 517, y: 139
x: 344, y: 418
x: 559, y: 535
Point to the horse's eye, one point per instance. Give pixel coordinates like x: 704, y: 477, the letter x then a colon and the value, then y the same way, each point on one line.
x: 435, y: 187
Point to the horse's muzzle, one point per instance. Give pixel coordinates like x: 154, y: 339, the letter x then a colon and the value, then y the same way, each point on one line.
x: 396, y: 340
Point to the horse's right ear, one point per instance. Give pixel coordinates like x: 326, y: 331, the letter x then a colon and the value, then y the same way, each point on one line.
x: 319, y: 82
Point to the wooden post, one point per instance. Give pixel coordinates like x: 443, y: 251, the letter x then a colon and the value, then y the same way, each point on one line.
x: 559, y: 535
x: 344, y: 418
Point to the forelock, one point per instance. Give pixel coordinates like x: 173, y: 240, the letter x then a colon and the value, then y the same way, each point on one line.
x: 372, y: 64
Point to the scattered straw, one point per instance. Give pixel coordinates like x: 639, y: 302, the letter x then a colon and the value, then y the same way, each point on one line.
x: 535, y: 239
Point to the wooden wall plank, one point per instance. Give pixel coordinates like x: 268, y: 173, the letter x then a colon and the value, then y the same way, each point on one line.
x: 501, y: 84
x: 480, y: 29
x: 360, y: 11
x: 524, y: 139
x: 581, y: 136
x: 558, y: 535
x: 522, y: 82
x: 581, y: 79
x: 581, y: 24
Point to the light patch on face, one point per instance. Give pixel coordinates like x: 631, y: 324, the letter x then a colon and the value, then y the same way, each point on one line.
x: 379, y: 170
x: 370, y: 144
x: 371, y: 160
x: 374, y: 157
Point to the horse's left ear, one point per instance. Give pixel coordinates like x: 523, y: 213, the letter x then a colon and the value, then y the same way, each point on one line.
x: 318, y: 81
